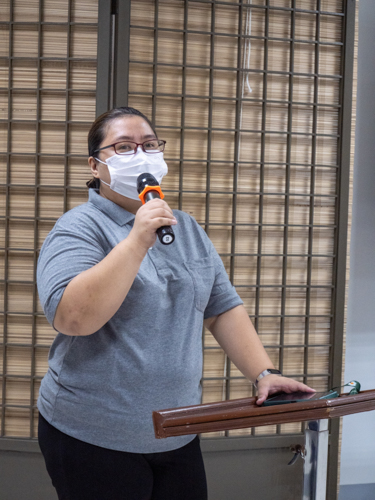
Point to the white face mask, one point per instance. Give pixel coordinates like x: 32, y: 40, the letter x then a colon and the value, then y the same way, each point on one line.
x: 125, y: 169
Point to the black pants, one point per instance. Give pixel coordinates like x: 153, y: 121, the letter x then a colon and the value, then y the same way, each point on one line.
x: 82, y: 471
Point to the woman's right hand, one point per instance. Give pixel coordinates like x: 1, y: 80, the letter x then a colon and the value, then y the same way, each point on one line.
x: 149, y: 217
x: 94, y: 295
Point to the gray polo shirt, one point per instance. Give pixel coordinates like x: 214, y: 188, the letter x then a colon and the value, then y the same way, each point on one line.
x: 102, y: 388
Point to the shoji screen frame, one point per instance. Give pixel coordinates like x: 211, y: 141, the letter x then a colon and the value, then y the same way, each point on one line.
x: 113, y: 91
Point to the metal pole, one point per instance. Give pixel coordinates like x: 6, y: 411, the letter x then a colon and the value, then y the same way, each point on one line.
x: 121, y: 54
x: 104, y: 85
x: 316, y: 460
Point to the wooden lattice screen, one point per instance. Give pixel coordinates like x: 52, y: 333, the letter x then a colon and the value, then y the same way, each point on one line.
x: 47, y: 102
x: 248, y: 96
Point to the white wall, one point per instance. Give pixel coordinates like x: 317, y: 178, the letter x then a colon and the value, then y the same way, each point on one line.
x: 358, y: 444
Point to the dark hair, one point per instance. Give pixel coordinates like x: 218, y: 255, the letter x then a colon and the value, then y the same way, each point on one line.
x: 98, y: 130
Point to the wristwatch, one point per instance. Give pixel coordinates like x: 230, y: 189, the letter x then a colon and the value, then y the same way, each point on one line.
x: 264, y: 373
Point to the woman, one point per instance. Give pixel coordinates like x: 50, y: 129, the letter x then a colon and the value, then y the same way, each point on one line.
x: 129, y: 312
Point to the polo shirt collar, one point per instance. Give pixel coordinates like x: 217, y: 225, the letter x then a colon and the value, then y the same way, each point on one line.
x: 109, y: 208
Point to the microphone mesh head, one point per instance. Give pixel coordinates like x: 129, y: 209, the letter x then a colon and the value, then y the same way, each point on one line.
x: 145, y: 180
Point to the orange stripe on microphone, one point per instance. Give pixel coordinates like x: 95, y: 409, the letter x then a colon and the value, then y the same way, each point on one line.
x: 150, y: 188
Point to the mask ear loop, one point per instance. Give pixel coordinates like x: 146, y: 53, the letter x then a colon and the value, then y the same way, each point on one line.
x: 93, y: 183
x: 95, y: 158
x: 101, y: 180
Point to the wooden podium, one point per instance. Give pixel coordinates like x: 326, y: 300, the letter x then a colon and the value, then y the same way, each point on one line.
x: 243, y: 413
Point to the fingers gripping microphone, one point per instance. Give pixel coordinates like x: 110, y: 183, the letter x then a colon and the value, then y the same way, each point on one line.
x: 148, y: 188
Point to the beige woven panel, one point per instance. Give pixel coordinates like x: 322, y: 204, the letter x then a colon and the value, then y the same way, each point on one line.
x: 47, y: 103
x: 223, y: 169
x: 243, y: 160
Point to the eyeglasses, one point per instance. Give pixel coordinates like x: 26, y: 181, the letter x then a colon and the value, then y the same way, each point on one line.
x: 130, y: 148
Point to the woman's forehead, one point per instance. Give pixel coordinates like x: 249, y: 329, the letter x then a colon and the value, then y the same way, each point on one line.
x: 128, y: 127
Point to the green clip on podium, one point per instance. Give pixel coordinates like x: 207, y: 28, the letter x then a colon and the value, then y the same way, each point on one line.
x: 242, y: 413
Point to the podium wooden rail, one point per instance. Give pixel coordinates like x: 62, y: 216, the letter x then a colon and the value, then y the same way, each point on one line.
x: 242, y: 413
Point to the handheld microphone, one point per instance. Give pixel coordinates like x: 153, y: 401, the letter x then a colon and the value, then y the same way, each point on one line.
x: 148, y: 188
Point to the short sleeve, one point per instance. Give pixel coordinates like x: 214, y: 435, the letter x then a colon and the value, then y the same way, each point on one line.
x: 63, y: 256
x: 223, y: 295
